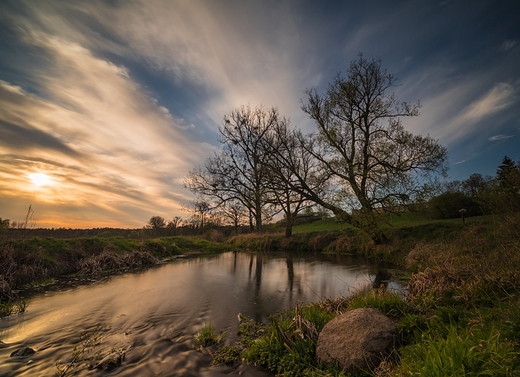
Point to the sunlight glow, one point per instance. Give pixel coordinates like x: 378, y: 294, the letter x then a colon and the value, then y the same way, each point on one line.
x: 40, y: 179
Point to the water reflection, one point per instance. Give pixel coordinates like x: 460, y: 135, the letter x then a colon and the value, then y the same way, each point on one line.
x: 155, y: 314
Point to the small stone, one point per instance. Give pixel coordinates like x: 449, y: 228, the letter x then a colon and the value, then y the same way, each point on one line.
x: 27, y: 351
x: 110, y: 362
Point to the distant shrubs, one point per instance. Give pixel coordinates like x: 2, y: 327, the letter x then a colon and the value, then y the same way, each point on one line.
x: 449, y: 204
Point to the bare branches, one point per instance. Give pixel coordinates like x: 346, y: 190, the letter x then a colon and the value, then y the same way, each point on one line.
x: 361, y: 141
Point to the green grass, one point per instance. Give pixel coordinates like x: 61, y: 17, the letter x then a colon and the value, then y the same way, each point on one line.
x: 462, y: 352
x: 12, y: 307
x: 327, y: 225
x: 287, y: 345
x: 208, y: 336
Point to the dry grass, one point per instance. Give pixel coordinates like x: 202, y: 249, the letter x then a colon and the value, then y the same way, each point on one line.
x: 109, y: 260
x: 482, y: 264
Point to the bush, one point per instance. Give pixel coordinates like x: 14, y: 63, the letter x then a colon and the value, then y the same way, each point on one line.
x: 447, y: 206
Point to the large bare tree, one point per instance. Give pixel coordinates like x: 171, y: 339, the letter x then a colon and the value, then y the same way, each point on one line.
x: 239, y: 172
x: 295, y: 179
x: 362, y: 145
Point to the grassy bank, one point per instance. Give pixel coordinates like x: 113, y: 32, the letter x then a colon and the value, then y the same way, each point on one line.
x: 27, y: 261
x: 460, y: 317
x: 327, y: 236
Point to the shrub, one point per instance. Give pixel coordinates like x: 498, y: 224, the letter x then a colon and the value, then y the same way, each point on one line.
x: 447, y: 206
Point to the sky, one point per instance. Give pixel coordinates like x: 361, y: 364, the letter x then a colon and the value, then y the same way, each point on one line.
x: 105, y: 106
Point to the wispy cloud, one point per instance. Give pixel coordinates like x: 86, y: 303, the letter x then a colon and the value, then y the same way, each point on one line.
x: 500, y: 137
x: 498, y: 98
x: 98, y: 134
x: 508, y: 45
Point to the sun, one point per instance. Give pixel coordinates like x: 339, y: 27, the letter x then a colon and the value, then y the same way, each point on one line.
x: 40, y: 179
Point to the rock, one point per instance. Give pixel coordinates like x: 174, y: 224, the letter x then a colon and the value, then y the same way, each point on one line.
x: 357, y: 340
x: 23, y: 352
x: 2, y: 344
x: 110, y: 362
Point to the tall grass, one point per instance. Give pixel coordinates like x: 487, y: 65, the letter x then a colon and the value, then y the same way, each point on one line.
x: 463, y: 352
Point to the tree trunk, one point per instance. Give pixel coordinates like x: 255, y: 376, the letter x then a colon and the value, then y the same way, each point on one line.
x: 289, y: 225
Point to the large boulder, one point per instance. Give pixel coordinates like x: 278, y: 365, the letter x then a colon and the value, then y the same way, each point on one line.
x: 357, y: 340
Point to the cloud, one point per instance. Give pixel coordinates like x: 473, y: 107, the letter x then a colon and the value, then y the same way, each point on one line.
x: 108, y: 145
x: 508, y: 45
x: 451, y: 111
x: 239, y: 54
x: 500, y: 137
x: 498, y: 98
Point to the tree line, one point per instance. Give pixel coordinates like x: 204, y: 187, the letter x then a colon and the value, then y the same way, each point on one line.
x: 478, y: 194
x: 359, y: 162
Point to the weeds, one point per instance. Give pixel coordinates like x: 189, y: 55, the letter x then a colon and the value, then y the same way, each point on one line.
x: 12, y: 307
x: 207, y: 336
x: 227, y: 355
x: 88, y: 355
x: 288, y: 344
x: 389, y: 303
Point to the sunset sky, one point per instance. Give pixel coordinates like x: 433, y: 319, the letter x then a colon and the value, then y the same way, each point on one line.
x: 106, y: 105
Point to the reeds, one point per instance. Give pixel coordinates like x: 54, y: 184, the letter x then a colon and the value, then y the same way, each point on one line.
x: 109, y: 260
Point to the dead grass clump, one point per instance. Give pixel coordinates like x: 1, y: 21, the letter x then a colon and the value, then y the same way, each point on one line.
x: 139, y: 259
x: 95, y: 264
x: 6, y: 292
x: 214, y: 235
x: 321, y: 241
x: 108, y: 260
x: 434, y: 283
x: 421, y: 255
x: 343, y: 244
x: 334, y: 306
x: 7, y: 268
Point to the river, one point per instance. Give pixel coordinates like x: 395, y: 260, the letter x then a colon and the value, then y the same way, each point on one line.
x: 153, y: 316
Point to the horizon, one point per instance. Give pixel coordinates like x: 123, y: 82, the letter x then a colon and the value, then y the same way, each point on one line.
x: 105, y: 107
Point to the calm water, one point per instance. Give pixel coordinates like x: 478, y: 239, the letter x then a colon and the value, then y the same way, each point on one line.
x: 154, y: 315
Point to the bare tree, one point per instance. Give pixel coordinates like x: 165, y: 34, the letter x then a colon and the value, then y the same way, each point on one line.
x: 363, y: 146
x: 239, y: 172
x: 235, y: 212
x: 156, y: 222
x: 174, y: 223
x: 200, y: 210
x: 292, y: 172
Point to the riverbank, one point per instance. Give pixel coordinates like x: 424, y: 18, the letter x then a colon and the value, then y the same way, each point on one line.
x: 28, y: 261
x: 460, y: 316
